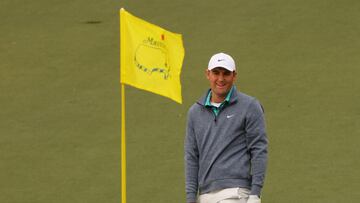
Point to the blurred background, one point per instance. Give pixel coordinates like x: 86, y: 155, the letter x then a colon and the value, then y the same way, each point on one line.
x: 60, y: 97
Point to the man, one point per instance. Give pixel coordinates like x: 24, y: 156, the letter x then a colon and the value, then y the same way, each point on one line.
x: 226, y: 143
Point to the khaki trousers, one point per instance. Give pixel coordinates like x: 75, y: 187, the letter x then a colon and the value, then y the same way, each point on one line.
x: 229, y: 195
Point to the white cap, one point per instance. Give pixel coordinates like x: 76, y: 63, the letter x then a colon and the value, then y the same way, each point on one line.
x: 222, y: 60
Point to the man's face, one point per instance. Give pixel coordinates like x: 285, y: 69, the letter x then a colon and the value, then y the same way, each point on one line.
x: 221, y: 81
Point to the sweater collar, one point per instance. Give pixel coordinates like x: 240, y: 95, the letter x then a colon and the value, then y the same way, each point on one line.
x: 230, y: 97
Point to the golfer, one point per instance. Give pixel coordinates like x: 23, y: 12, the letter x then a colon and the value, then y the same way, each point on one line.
x: 226, y: 143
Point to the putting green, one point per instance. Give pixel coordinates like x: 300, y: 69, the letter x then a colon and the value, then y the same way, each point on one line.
x: 60, y: 97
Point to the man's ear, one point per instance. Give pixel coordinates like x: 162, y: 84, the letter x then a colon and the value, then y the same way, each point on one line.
x: 207, y: 72
x: 235, y: 74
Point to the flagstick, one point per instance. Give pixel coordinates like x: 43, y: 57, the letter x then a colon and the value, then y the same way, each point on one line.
x: 123, y: 140
x: 123, y: 146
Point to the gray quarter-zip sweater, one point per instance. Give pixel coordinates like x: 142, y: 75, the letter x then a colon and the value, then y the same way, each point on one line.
x: 228, y: 150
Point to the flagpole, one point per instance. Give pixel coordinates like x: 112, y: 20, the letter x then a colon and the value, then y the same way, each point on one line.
x: 123, y: 146
x: 123, y: 137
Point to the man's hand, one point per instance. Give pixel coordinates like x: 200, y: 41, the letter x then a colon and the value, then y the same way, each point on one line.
x: 254, y: 199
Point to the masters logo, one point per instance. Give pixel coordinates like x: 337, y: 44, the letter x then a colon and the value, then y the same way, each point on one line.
x: 151, y: 57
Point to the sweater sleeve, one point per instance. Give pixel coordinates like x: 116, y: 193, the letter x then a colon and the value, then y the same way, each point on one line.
x: 191, y: 162
x: 257, y: 145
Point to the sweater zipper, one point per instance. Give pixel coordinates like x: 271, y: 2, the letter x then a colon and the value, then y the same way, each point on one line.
x: 212, y: 113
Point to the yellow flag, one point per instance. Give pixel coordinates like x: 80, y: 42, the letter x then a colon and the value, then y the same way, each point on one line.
x: 151, y: 57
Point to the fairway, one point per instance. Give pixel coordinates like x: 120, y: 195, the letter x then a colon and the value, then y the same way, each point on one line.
x: 60, y: 97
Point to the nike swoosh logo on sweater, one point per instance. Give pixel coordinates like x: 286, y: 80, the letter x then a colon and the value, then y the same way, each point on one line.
x: 229, y: 116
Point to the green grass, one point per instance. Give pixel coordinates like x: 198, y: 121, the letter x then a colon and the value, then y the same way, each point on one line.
x: 60, y: 97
